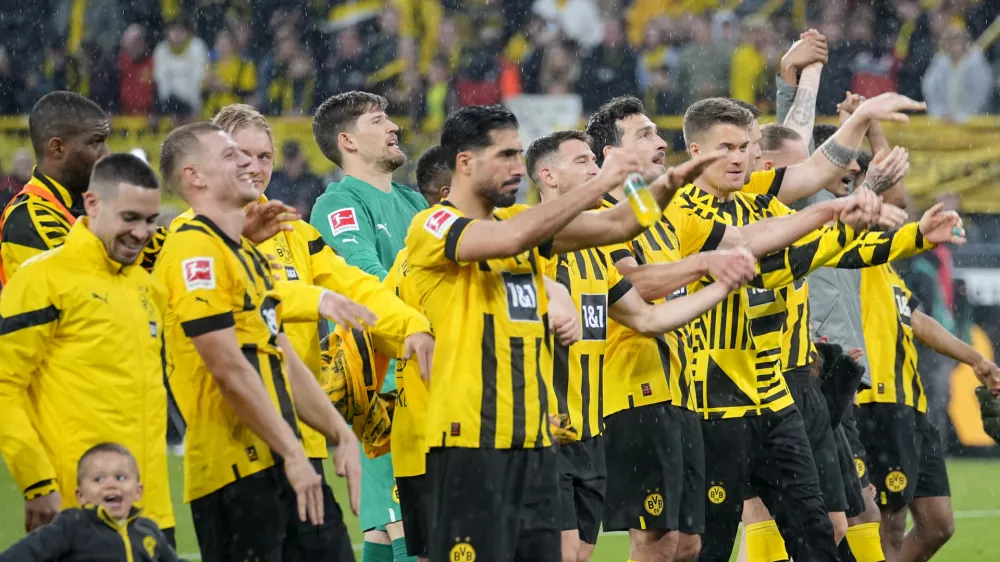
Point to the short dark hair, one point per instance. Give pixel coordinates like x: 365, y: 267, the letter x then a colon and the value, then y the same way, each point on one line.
x: 602, y: 127
x: 709, y: 112
x: 469, y: 128
x: 864, y: 160
x: 180, y: 143
x: 338, y: 114
x: 104, y: 448
x: 822, y: 133
x: 60, y: 115
x: 432, y: 170
x: 547, y: 145
x: 775, y: 135
x: 753, y: 109
x: 115, y: 169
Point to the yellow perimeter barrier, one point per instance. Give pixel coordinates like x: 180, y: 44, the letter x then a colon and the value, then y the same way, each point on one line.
x: 944, y: 158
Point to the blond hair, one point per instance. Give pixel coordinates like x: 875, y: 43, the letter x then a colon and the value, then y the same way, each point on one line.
x: 238, y: 116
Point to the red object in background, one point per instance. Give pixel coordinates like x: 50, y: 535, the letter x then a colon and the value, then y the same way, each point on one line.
x: 876, y: 77
x: 488, y: 92
x: 137, y: 90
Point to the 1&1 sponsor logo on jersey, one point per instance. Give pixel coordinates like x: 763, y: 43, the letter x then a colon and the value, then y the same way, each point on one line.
x: 343, y: 220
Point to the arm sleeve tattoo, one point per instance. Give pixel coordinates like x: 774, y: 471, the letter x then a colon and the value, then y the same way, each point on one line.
x: 838, y: 155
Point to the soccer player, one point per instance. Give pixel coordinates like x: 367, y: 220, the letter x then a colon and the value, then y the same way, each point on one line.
x: 364, y: 218
x: 68, y: 134
x: 665, y: 514
x: 433, y: 175
x: 86, y: 306
x: 109, y: 527
x: 558, y: 163
x: 238, y: 382
x: 303, y: 257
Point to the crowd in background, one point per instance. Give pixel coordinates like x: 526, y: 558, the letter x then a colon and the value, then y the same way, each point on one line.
x: 187, y: 58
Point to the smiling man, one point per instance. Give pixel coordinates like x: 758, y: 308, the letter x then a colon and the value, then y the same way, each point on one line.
x: 364, y: 218
x: 86, y: 307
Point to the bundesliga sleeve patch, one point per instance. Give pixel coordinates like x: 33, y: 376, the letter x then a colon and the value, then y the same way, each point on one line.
x: 439, y: 221
x: 343, y: 220
x: 199, y: 273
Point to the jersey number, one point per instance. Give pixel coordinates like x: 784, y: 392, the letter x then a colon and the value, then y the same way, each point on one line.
x: 270, y: 316
x: 594, y: 316
x: 522, y: 300
x: 903, y: 305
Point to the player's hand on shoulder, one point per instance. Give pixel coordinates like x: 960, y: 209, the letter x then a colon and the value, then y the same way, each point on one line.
x: 263, y: 220
x: 345, y: 312
x: 734, y: 268
x: 942, y: 227
x: 347, y: 464
x: 41, y: 510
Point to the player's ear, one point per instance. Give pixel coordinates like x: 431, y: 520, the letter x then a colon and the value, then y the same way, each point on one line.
x: 79, y: 497
x: 139, y: 491
x: 768, y: 165
x: 694, y: 149
x: 444, y: 190
x: 91, y: 203
x: 465, y: 163
x: 346, y: 142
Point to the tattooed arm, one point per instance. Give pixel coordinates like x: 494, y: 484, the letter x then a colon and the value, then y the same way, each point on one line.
x: 828, y: 163
x: 888, y: 165
x: 802, y: 115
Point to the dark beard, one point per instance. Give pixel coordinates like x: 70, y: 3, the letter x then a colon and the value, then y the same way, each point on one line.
x: 501, y: 200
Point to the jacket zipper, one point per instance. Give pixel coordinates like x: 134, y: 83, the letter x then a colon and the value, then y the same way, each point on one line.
x: 123, y: 533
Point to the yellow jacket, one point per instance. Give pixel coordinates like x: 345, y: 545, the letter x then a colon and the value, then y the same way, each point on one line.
x: 306, y: 263
x: 80, y: 343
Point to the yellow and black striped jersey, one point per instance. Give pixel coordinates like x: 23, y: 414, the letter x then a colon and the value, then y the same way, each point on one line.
x: 889, y: 340
x: 578, y: 370
x: 39, y: 219
x: 215, y: 283
x: 643, y: 370
x: 495, y: 393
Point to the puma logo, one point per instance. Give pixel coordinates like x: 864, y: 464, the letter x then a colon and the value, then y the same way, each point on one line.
x: 383, y: 227
x: 100, y: 298
x: 351, y: 239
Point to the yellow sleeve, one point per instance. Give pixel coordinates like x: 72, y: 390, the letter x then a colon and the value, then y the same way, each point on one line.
x: 695, y: 234
x: 299, y: 301
x: 873, y: 248
x: 765, y: 182
x: 396, y: 320
x: 30, y: 228
x: 743, y: 73
x: 808, y: 254
x: 29, y: 316
x: 201, y: 288
x: 152, y: 249
x: 433, y: 237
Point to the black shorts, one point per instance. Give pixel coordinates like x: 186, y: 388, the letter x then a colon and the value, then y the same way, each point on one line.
x: 905, y: 454
x: 412, y: 492
x: 656, y: 464
x: 493, y: 504
x: 246, y: 519
x: 256, y: 517
x: 583, y: 479
x: 852, y: 484
x: 772, y: 453
x: 850, y: 425
x: 815, y: 411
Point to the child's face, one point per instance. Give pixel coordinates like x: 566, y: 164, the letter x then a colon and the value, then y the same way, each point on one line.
x: 110, y: 480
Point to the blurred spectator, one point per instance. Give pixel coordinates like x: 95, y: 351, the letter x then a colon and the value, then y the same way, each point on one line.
x: 914, y: 48
x: 959, y: 82
x: 438, y: 99
x: 449, y: 43
x: 179, y: 64
x: 560, y: 70
x: 419, y: 23
x: 487, y: 76
x: 387, y: 58
x: 97, y: 75
x: 748, y: 65
x: 661, y: 98
x: 10, y: 85
x: 874, y: 66
x: 25, y: 28
x: 610, y: 70
x: 537, y: 38
x: 293, y: 91
x: 579, y: 20
x: 60, y: 70
x: 661, y: 48
x: 344, y: 68
x: 231, y: 78
x: 294, y: 184
x: 20, y: 172
x: 837, y: 73
x: 76, y: 21
x: 286, y: 47
x: 136, y: 89
x: 704, y: 62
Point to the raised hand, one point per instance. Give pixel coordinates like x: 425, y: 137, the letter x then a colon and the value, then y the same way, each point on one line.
x: 810, y: 48
x: 263, y: 220
x: 886, y: 170
x: 889, y: 106
x: 942, y: 227
x: 618, y: 164
x: 677, y: 177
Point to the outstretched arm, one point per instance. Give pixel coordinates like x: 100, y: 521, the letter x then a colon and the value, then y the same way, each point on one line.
x: 931, y: 333
x: 654, y: 320
x: 802, y: 114
x: 654, y: 281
